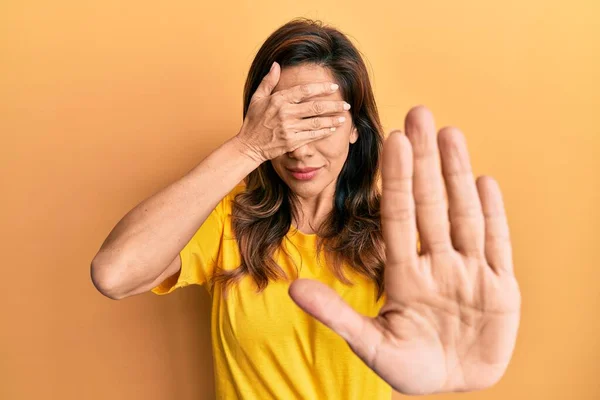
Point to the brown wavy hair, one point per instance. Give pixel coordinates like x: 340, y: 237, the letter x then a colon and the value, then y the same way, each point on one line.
x: 262, y: 213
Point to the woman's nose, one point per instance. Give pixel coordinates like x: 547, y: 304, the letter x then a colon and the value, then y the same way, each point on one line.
x: 301, y: 152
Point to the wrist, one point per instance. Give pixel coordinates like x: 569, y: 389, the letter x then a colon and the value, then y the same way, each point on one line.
x: 242, y: 148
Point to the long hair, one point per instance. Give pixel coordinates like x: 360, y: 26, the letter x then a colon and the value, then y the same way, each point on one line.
x: 262, y: 213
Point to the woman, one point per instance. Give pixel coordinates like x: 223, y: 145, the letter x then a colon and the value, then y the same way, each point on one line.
x: 447, y: 317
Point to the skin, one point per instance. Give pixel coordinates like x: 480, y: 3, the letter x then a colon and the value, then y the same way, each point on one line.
x: 330, y: 153
x: 452, y: 310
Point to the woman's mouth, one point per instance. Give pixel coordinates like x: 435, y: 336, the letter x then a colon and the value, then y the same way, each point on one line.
x: 305, y: 175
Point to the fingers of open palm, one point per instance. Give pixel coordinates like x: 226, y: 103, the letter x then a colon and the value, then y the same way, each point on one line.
x: 428, y: 185
x: 466, y: 216
x: 327, y: 306
x: 498, y: 249
x: 397, y: 203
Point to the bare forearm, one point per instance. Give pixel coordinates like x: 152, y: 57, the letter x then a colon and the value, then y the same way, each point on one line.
x: 149, y: 237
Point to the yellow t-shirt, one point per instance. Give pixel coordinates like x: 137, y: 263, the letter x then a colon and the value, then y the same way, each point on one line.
x: 264, y: 345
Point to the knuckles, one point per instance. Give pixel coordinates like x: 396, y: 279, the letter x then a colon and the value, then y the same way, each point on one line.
x: 283, y: 113
x: 287, y: 138
x: 286, y: 127
x: 277, y: 101
x: 305, y: 89
x: 318, y: 107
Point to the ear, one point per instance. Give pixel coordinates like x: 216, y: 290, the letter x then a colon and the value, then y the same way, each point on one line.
x: 353, y: 135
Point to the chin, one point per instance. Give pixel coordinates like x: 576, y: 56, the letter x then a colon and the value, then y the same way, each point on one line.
x: 305, y: 188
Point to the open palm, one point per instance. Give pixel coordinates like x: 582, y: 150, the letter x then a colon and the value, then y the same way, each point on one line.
x: 452, y: 309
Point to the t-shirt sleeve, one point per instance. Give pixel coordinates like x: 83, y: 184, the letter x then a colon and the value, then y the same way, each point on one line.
x: 201, y: 253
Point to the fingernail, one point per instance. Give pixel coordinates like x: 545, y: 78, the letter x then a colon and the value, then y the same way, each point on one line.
x: 272, y: 66
x: 334, y: 86
x: 346, y: 106
x: 341, y: 119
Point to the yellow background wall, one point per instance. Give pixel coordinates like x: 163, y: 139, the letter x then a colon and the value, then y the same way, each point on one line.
x: 103, y: 103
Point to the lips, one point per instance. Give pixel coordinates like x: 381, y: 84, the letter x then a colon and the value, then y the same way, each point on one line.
x: 303, y: 170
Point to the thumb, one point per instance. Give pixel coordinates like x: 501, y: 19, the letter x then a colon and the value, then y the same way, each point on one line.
x: 327, y: 306
x: 268, y: 82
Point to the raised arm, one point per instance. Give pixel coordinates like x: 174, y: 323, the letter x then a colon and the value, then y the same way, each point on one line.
x: 143, y: 248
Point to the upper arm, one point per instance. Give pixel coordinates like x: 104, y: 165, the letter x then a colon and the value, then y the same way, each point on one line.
x: 173, y: 270
x: 195, y: 263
